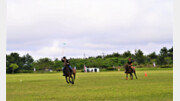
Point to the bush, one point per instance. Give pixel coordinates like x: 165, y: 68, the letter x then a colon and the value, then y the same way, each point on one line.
x: 82, y: 70
x: 25, y: 71
x: 140, y: 66
x: 166, y: 66
x: 58, y: 69
x: 111, y: 68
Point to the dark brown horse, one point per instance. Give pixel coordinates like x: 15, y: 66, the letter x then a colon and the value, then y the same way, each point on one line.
x: 129, y: 70
x: 69, y: 75
x: 68, y: 72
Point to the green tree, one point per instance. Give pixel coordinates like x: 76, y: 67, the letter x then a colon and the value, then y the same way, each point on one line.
x: 13, y: 58
x: 161, y: 60
x: 164, y: 52
x: 27, y: 62
x: 127, y: 54
x: 14, y: 67
x: 43, y: 63
x: 57, y: 64
x: 170, y: 53
x: 116, y: 54
x: 161, y: 57
x: 139, y: 57
x: 152, y: 55
x: 99, y: 56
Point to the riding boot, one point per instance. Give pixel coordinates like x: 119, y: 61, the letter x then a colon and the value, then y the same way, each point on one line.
x: 63, y: 73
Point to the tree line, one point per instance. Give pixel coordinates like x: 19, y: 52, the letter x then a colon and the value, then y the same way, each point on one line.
x: 26, y: 64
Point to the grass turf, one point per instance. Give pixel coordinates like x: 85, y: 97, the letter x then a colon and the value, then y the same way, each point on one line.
x: 109, y: 86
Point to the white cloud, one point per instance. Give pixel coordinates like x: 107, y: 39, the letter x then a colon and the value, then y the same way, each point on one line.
x: 88, y: 26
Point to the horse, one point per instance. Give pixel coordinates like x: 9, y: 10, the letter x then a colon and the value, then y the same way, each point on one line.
x: 129, y: 70
x: 68, y: 74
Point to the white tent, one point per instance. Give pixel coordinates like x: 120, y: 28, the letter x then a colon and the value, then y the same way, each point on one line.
x: 92, y: 69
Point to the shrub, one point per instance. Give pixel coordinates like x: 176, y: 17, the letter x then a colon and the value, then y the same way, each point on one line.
x: 58, y: 69
x: 82, y: 70
x: 140, y: 66
x: 25, y: 71
x: 166, y: 66
x: 111, y: 68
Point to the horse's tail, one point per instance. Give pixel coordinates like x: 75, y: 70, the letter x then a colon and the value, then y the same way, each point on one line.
x: 74, y: 73
x: 135, y: 73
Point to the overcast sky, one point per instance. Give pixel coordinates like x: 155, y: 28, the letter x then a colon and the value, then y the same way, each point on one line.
x: 93, y: 27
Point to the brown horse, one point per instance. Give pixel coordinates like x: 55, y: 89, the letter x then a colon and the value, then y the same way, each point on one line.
x: 129, y: 70
x: 68, y: 74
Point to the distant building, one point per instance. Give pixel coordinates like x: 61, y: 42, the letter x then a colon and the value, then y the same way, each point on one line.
x: 48, y: 70
x: 92, y: 70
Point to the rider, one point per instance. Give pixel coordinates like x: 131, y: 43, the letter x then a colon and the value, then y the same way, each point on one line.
x: 65, y: 63
x: 130, y: 62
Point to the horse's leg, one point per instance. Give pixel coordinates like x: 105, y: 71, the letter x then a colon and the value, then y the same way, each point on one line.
x: 131, y: 76
x: 135, y: 74
x: 67, y: 80
x: 70, y: 79
x: 126, y: 76
x: 74, y: 75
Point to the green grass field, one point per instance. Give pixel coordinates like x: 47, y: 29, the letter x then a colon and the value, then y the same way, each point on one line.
x: 109, y: 86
